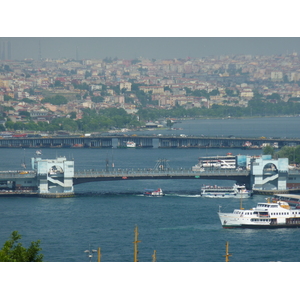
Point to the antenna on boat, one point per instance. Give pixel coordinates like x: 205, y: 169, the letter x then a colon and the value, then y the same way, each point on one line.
x: 227, y: 253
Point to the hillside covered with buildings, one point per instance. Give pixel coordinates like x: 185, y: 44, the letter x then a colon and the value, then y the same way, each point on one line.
x: 89, y: 94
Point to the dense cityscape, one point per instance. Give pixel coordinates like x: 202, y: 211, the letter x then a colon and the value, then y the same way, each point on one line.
x: 66, y: 94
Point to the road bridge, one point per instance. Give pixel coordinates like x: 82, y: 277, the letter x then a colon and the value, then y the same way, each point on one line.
x: 242, y: 177
x: 143, y: 141
x: 57, y: 177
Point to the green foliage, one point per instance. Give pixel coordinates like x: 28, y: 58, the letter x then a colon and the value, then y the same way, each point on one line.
x: 169, y: 123
x: 7, y: 98
x: 83, y: 86
x: 292, y: 153
x: 274, y: 96
x: 24, y: 113
x: 97, y: 99
x: 73, y: 115
x: 106, y: 119
x: 268, y: 150
x: 58, y: 83
x: 57, y: 100
x: 13, y: 251
x: 26, y: 100
x: 200, y: 93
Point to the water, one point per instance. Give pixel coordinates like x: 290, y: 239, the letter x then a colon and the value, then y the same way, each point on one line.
x: 181, y: 227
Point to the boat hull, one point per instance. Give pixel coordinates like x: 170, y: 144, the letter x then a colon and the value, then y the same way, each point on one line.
x: 263, y: 222
x: 262, y: 226
x: 212, y: 195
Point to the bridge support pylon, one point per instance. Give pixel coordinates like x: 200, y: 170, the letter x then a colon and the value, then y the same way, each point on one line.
x: 54, y: 177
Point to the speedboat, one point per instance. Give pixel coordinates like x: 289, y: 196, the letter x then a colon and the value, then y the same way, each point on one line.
x: 153, y: 193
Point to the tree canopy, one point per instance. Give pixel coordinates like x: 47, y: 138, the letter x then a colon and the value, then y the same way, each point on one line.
x: 13, y: 251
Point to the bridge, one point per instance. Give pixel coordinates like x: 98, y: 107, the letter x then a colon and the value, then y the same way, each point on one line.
x: 83, y: 176
x: 57, y: 178
x: 143, y: 141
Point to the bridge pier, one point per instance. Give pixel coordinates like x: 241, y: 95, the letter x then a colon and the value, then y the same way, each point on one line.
x: 54, y: 177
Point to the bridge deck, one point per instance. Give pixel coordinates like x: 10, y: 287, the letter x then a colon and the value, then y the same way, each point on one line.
x: 90, y: 175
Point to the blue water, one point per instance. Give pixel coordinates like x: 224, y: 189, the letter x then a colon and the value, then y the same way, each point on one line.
x: 181, y: 227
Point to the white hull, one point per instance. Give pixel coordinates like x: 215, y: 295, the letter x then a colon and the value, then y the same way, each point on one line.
x: 221, y: 195
x: 130, y: 144
x: 237, y: 191
x: 264, y: 215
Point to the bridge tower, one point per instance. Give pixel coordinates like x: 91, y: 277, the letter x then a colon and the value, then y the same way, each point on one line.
x: 54, y: 176
x: 268, y: 173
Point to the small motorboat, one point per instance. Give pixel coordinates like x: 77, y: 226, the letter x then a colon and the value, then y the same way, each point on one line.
x: 153, y: 193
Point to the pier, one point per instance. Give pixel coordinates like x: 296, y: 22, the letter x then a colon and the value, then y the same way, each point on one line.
x: 144, y: 141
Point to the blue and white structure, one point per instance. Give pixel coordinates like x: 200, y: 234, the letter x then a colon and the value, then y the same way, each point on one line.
x: 269, y: 174
x: 54, y: 177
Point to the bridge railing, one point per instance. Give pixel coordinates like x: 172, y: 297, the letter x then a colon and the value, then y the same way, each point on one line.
x: 156, y: 172
x: 17, y: 174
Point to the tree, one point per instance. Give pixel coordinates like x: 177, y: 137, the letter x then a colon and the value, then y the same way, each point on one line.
x: 169, y: 123
x: 13, y: 251
x: 268, y: 150
x: 57, y: 100
x: 73, y: 115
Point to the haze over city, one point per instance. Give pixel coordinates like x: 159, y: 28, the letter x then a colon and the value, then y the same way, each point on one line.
x: 147, y: 47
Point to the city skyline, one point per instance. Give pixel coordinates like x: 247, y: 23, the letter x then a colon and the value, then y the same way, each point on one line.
x: 146, y: 47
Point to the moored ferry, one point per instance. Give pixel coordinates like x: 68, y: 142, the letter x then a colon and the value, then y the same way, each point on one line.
x: 236, y: 191
x: 264, y: 215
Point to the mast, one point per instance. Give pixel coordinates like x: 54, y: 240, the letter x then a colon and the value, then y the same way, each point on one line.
x: 99, y: 254
x: 227, y: 253
x: 135, y: 244
x: 154, y: 256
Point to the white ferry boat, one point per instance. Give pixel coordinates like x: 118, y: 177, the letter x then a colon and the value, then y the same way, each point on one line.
x: 153, y: 193
x: 130, y: 144
x: 264, y: 215
x: 236, y: 191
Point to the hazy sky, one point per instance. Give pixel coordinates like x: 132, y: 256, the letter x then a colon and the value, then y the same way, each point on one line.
x: 148, y: 47
x: 151, y: 29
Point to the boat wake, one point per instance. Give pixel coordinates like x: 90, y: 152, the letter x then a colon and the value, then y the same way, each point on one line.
x: 185, y: 196
x: 134, y: 193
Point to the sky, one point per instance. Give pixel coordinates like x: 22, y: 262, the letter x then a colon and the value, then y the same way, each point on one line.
x: 147, y: 47
x: 158, y: 29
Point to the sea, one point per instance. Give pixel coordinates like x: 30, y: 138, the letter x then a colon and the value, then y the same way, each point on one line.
x: 179, y: 227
